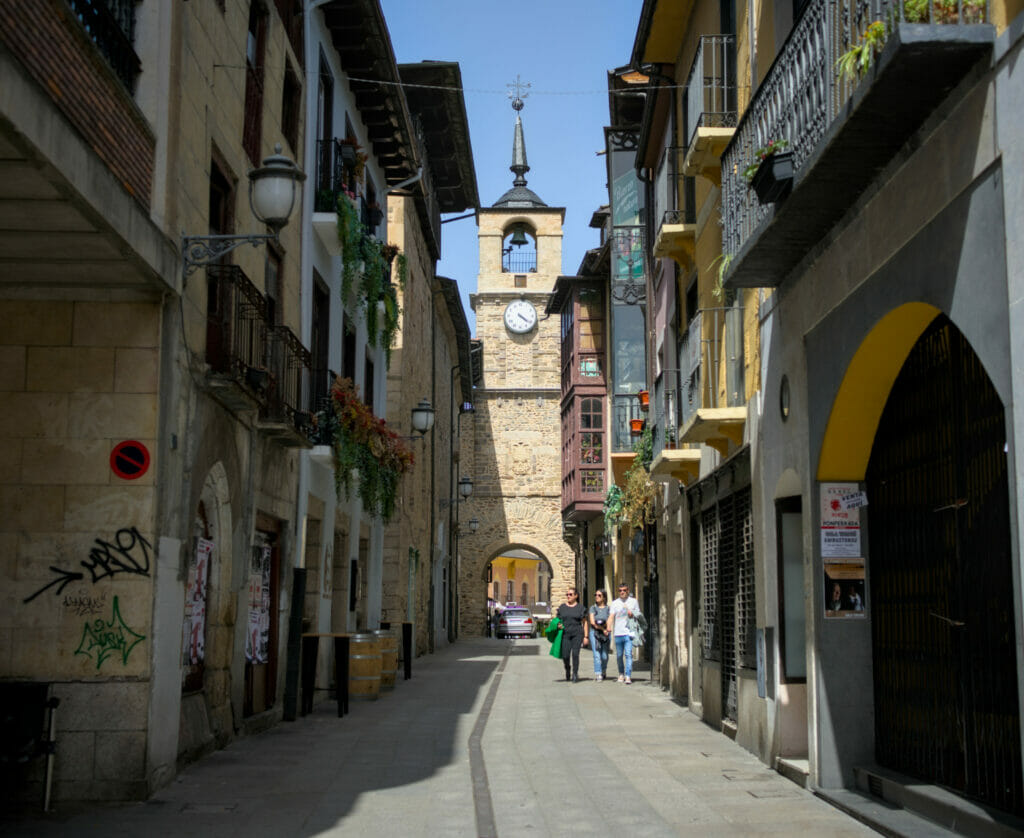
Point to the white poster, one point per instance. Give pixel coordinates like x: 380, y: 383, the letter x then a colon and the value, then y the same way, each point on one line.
x: 194, y: 629
x: 840, y: 521
x: 257, y: 635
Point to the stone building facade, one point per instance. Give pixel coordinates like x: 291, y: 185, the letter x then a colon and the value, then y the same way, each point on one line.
x: 516, y: 456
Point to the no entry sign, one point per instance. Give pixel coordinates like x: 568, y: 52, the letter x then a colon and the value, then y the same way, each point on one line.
x: 129, y: 460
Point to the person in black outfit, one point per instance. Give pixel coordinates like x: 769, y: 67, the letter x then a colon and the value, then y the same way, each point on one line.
x: 575, y: 632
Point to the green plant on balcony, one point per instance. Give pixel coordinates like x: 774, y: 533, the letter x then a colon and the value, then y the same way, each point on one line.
x: 638, y: 495
x: 763, y: 154
x: 723, y: 261
x: 363, y: 443
x: 946, y: 11
x: 369, y: 260
x: 612, y: 508
x: 857, y: 60
x: 643, y: 449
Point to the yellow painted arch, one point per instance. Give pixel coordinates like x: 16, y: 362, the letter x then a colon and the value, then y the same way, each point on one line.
x: 858, y: 406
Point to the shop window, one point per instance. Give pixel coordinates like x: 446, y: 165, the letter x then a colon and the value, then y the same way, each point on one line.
x: 792, y: 613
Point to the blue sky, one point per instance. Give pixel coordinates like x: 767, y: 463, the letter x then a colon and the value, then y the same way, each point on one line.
x: 564, y: 49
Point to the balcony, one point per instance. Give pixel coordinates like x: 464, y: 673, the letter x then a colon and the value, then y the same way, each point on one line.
x: 712, y: 397
x: 670, y: 462
x: 111, y: 25
x: 335, y: 162
x: 710, y: 107
x: 674, y: 209
x: 236, y: 325
x: 282, y: 416
x: 841, y: 134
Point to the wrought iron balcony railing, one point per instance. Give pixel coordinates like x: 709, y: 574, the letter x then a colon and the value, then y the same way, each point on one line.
x: 711, y: 86
x: 111, y: 25
x: 805, y: 95
x: 334, y: 159
x: 625, y: 412
x: 711, y: 347
x: 674, y: 194
x: 664, y: 413
x: 236, y: 316
x: 288, y: 362
x: 519, y: 261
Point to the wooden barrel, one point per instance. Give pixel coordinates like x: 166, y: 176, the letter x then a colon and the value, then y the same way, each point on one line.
x: 363, y: 666
x: 388, y: 658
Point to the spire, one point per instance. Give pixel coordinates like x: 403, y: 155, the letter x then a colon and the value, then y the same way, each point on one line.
x: 519, y: 167
x: 519, y: 195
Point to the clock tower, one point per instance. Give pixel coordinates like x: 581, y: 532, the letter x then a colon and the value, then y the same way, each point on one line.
x: 517, y: 459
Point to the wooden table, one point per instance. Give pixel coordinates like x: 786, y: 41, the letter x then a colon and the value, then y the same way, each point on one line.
x: 310, y: 652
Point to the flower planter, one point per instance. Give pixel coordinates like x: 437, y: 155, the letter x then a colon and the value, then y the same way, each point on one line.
x: 636, y: 427
x: 773, y: 178
x: 348, y: 154
x: 645, y: 400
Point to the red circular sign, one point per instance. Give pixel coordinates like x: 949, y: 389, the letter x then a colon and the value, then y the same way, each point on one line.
x: 129, y: 460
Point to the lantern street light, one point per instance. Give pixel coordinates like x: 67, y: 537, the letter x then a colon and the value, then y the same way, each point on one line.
x: 272, y: 190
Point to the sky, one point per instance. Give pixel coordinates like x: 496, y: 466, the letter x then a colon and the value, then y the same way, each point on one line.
x: 563, y: 49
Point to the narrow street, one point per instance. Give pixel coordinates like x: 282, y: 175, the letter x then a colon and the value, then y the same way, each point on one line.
x: 486, y: 739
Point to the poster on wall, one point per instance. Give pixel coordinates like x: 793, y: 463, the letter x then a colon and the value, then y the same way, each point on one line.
x: 257, y: 635
x: 844, y: 589
x: 194, y: 640
x: 840, y: 520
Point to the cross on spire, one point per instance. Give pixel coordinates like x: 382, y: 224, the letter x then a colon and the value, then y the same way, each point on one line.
x: 517, y: 91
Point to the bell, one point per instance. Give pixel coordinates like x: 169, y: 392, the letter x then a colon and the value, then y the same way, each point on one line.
x: 519, y: 237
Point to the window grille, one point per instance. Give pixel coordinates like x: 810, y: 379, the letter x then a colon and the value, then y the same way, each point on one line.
x: 746, y: 600
x: 727, y: 602
x: 710, y: 639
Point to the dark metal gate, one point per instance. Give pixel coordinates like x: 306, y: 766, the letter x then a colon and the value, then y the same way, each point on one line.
x: 945, y: 679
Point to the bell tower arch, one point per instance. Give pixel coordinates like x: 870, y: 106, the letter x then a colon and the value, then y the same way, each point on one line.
x: 517, y: 466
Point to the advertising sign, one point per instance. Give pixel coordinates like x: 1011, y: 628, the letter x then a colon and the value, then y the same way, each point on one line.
x: 840, y: 520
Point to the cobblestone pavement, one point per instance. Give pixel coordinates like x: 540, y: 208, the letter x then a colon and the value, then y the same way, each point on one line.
x: 486, y: 739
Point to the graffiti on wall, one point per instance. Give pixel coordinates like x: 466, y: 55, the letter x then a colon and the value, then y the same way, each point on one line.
x: 129, y: 553
x: 83, y: 603
x: 101, y: 638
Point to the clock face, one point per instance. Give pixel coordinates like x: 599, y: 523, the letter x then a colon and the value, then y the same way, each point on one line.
x: 520, y: 317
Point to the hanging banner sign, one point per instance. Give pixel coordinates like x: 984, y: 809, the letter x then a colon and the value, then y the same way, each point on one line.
x: 840, y: 524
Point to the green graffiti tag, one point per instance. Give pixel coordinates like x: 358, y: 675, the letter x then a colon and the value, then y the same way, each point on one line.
x: 103, y: 639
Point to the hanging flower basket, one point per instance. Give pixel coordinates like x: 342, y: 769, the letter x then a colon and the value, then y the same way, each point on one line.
x: 773, y: 178
x: 645, y: 400
x: 636, y: 427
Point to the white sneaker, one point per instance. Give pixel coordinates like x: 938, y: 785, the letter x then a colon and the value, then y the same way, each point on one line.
x: 622, y: 678
x: 629, y: 680
x: 597, y: 677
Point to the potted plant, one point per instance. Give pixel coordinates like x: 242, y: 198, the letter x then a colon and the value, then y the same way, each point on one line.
x: 636, y: 427
x: 348, y: 148
x: 645, y: 400
x: 770, y: 175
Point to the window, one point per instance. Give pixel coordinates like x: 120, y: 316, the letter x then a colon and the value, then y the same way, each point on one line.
x: 320, y: 340
x: 511, y: 591
x: 291, y: 107
x: 590, y: 413
x: 348, y: 349
x: 272, y: 284
x: 525, y: 600
x: 368, y: 383
x: 792, y: 615
x: 497, y: 590
x: 591, y: 448
x: 255, y: 46
x: 592, y: 481
x: 590, y: 367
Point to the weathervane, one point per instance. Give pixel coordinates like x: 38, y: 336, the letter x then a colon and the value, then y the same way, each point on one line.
x: 517, y: 91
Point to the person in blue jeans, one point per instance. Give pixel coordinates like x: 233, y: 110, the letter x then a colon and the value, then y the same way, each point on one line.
x: 600, y: 635
x: 622, y: 610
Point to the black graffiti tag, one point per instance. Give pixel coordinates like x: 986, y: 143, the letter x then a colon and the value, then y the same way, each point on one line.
x: 106, y: 560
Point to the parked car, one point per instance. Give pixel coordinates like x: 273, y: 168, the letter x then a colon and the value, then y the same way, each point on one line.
x: 515, y: 622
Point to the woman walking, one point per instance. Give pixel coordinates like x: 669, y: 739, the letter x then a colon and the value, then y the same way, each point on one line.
x: 575, y: 632
x: 600, y: 638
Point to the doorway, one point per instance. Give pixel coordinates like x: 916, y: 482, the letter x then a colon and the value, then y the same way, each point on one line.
x: 941, y: 591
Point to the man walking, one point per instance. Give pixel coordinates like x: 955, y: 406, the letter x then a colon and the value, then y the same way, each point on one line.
x: 623, y: 610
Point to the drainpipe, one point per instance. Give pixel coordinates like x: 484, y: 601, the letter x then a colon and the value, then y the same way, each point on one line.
x: 416, y: 178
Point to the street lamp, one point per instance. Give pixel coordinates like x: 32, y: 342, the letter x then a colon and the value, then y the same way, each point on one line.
x: 272, y: 190
x: 422, y: 417
x: 474, y: 524
x: 465, y: 490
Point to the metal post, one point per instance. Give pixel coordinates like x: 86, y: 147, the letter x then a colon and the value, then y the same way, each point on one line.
x: 51, y: 749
